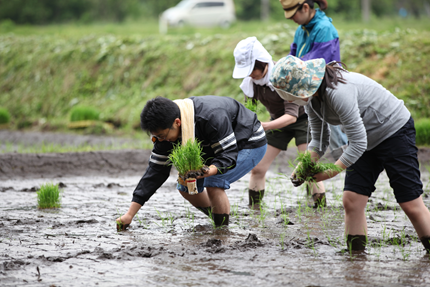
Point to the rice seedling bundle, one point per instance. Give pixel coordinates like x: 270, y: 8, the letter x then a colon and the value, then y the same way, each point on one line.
x: 187, y: 158
x: 306, y: 169
x: 49, y: 196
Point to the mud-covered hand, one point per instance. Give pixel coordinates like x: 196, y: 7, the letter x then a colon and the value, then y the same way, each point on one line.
x: 296, y: 181
x: 208, y: 171
x: 300, y: 175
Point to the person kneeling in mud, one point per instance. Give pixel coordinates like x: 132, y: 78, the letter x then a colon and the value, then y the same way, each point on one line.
x: 232, y: 139
x: 380, y: 132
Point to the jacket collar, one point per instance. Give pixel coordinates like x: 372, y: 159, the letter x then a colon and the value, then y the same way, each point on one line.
x: 318, y: 17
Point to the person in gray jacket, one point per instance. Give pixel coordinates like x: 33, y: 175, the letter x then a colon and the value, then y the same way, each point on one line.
x: 380, y: 132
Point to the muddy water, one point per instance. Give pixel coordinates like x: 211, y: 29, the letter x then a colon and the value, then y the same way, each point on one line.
x: 284, y: 243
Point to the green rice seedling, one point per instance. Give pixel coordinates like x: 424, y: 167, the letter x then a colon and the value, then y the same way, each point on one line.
x: 171, y: 218
x: 212, y: 219
x: 282, y: 240
x: 49, y: 196
x: 422, y: 127
x: 263, y: 214
x: 306, y: 168
x: 311, y: 244
x: 163, y: 219
x: 4, y: 116
x: 82, y: 113
x: 142, y: 222
x: 251, y: 105
x: 187, y: 157
x: 190, y: 218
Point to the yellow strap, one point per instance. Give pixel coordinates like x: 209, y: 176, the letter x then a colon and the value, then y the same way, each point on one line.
x: 186, y: 106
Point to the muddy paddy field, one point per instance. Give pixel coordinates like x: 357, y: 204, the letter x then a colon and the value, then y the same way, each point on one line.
x: 283, y: 243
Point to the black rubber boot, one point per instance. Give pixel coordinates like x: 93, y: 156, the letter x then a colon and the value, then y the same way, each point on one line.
x: 205, y: 210
x: 426, y: 242
x: 220, y: 219
x: 356, y: 242
x: 255, y: 196
x: 319, y: 200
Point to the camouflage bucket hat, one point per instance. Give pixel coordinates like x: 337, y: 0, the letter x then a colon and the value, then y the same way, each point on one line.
x: 295, y: 79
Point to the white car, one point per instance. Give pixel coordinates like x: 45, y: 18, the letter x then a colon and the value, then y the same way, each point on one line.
x: 200, y: 13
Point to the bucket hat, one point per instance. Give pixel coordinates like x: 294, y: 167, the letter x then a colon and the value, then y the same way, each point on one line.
x: 245, y: 54
x: 295, y: 79
x: 291, y: 6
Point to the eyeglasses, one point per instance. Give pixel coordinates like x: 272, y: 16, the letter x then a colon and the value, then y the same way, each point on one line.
x: 162, y: 138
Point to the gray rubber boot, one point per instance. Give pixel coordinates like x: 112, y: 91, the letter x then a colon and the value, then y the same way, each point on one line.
x: 426, y: 242
x: 356, y: 242
x: 220, y: 219
x: 255, y: 196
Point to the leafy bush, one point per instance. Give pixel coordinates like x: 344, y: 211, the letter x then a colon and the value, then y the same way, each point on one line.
x: 4, y: 116
x: 84, y: 114
x: 48, y: 196
x: 422, y: 127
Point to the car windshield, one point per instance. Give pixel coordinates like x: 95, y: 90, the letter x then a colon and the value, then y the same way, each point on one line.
x: 185, y: 4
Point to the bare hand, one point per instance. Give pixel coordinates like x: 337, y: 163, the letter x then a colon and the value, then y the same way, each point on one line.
x: 123, y: 222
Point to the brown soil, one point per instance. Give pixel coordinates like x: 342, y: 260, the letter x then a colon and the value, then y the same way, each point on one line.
x: 171, y: 243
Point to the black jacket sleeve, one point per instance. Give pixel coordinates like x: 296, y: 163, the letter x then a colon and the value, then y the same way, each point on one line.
x: 156, y: 174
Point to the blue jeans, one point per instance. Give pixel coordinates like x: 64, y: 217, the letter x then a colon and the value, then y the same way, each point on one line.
x: 247, y: 159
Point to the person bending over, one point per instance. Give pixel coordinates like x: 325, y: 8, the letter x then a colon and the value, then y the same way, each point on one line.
x: 380, y: 132
x: 232, y: 139
x: 288, y: 121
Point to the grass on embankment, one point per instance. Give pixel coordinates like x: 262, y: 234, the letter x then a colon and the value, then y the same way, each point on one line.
x: 44, y: 75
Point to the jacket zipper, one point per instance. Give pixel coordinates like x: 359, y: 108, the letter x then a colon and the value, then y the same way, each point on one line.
x: 301, y: 50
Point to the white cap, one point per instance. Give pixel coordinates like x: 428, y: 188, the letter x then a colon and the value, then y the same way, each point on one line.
x: 244, y: 58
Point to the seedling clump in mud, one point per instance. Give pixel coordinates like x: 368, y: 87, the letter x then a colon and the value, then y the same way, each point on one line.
x: 306, y: 169
x: 48, y: 196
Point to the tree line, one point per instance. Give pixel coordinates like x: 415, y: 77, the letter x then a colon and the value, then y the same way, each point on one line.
x: 87, y: 11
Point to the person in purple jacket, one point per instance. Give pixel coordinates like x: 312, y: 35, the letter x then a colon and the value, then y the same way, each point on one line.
x: 316, y: 37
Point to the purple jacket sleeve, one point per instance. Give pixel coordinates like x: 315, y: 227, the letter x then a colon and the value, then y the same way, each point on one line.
x: 330, y: 51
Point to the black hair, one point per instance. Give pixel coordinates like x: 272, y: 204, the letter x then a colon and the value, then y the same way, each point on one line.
x: 259, y: 66
x: 332, y: 76
x: 159, y: 114
x: 321, y: 3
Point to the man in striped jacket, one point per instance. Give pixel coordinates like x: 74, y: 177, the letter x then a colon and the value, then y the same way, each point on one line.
x: 232, y: 139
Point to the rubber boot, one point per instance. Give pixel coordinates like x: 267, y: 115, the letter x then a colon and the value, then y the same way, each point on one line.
x: 255, y: 196
x: 205, y: 210
x: 220, y: 219
x: 426, y: 242
x: 319, y: 200
x: 356, y: 242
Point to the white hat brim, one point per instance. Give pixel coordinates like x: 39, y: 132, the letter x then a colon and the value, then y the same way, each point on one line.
x: 240, y: 73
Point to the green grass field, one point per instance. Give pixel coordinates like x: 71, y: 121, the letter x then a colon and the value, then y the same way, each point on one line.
x: 45, y: 71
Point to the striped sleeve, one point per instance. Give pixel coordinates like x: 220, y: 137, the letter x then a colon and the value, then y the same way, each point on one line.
x: 159, y: 159
x: 224, y: 144
x: 258, y: 134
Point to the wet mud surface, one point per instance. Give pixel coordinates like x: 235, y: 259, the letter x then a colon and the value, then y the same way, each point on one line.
x: 170, y: 243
